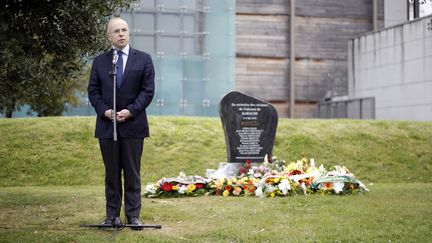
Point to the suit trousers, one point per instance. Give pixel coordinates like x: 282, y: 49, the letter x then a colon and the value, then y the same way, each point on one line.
x: 129, y: 151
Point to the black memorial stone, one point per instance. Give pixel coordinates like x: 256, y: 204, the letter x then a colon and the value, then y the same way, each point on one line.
x: 249, y: 125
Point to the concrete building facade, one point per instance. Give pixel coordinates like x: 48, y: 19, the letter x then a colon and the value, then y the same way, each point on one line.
x: 394, y: 65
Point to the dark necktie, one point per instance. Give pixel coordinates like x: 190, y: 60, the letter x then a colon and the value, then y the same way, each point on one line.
x: 119, y: 69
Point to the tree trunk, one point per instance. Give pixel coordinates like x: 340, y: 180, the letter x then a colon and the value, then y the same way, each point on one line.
x: 8, y: 113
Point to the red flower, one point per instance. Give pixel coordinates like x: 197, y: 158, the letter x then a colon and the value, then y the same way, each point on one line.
x: 228, y: 188
x: 167, y: 187
x: 199, y: 186
x: 245, y: 168
x: 295, y: 172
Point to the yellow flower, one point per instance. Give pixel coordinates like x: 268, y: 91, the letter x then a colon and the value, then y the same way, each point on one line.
x: 225, y: 193
x: 229, y: 183
x: 272, y: 194
x: 175, y: 188
x: 218, y: 184
x: 276, y: 180
x: 191, y: 187
x: 291, y: 167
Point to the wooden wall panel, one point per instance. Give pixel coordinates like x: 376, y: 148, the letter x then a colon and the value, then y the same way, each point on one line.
x: 263, y: 78
x: 261, y: 36
x: 319, y: 38
x: 323, y: 28
x: 319, y: 79
x: 257, y: 7
x: 346, y: 9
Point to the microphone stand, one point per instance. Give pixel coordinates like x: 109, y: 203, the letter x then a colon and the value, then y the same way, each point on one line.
x: 118, y: 226
x: 114, y: 120
x: 114, y: 75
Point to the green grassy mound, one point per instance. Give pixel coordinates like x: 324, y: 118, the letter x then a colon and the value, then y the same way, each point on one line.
x: 63, y: 150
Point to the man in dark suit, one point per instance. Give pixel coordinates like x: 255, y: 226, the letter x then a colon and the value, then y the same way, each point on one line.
x: 135, y: 89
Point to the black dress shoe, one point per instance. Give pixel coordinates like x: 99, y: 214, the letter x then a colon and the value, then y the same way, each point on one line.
x: 117, y: 222
x: 112, y: 221
x: 107, y: 221
x: 135, y: 222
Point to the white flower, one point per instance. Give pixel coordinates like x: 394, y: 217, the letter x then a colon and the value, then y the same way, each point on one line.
x: 303, y: 186
x: 284, y: 186
x: 150, y: 188
x: 266, y: 159
x: 161, y: 181
x: 259, y: 183
x: 322, y: 170
x: 270, y: 189
x: 338, y: 187
x: 363, y: 186
x: 312, y: 163
x: 182, y: 175
x: 182, y: 189
x: 259, y: 192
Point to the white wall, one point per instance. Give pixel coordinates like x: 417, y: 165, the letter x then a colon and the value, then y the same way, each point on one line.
x: 395, y: 12
x: 394, y: 65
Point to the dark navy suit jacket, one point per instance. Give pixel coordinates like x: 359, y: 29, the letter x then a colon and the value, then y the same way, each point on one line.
x: 135, y: 94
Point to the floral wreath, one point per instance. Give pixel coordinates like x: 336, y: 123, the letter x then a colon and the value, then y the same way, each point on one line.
x: 272, y: 178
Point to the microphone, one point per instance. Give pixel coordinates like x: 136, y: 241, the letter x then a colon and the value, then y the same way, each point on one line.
x: 115, y: 57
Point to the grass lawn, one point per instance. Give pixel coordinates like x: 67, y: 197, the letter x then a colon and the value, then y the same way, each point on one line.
x: 51, y: 181
x: 389, y: 213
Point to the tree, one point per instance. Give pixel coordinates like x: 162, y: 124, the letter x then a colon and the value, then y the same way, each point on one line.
x: 44, y: 46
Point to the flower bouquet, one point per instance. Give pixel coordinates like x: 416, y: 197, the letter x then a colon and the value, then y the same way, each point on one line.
x: 270, y: 179
x: 180, y: 186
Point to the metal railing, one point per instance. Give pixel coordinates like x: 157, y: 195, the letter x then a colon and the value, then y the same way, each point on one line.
x: 362, y: 108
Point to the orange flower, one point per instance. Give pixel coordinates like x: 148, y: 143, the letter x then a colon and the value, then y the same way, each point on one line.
x: 309, y: 181
x: 327, y: 186
x: 270, y: 181
x: 250, y: 187
x: 228, y: 188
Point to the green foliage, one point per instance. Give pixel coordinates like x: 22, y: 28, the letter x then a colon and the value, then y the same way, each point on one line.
x: 44, y: 46
x: 63, y: 151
